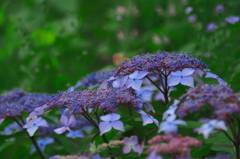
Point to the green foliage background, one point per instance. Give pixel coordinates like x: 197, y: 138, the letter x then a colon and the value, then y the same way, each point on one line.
x: 48, y: 45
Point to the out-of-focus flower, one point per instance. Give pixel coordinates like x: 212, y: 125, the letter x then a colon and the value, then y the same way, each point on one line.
x: 170, y: 125
x: 1, y: 120
x: 219, y: 8
x: 131, y: 144
x: 220, y: 81
x: 154, y: 155
x: 67, y: 123
x: 119, y: 18
x: 232, y: 19
x: 188, y: 10
x: 171, y: 110
x: 34, y: 126
x: 74, y: 134
x: 110, y: 121
x: 184, y: 77
x: 192, y: 18
x: 42, y: 143
x: 210, y: 27
x: 207, y: 128
x: 14, y: 127
x: 148, y: 119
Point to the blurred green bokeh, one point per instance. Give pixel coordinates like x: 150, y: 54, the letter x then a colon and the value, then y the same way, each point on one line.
x: 48, y: 45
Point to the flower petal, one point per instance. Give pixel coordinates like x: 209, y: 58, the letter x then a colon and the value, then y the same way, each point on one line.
x: 118, y: 125
x: 134, y: 140
x: 42, y: 122
x: 176, y: 73
x: 115, y: 116
x: 179, y: 122
x: 64, y: 120
x: 137, y: 148
x: 126, y: 149
x: 72, y: 121
x: 136, y: 84
x: 60, y: 130
x: 134, y: 74
x: 104, y: 127
x: 146, y: 120
x: 187, y: 71
x: 221, y: 125
x: 187, y: 81
x: 32, y: 130
x: 174, y: 80
x: 141, y: 74
x: 106, y: 117
x: 148, y: 107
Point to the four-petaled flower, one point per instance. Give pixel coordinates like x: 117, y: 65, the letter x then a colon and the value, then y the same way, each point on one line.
x: 184, y: 77
x: 120, y: 82
x: 170, y: 125
x: 110, y: 121
x: 171, y: 110
x: 207, y: 128
x: 66, y: 122
x: 148, y: 119
x: 220, y: 81
x: 131, y: 143
x: 34, y: 126
x: 135, y: 79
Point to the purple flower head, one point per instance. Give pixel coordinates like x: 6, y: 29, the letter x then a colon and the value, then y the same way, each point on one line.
x: 219, y: 99
x: 184, y: 77
x: 15, y: 102
x: 219, y: 8
x: 42, y: 143
x: 67, y: 123
x: 211, y: 27
x: 220, y: 81
x: 159, y: 61
x: 147, y: 119
x: 192, y: 18
x: 35, y: 125
x: 232, y: 19
x: 110, y: 121
x: 131, y: 144
x: 107, y: 99
x: 188, y: 10
x: 74, y: 134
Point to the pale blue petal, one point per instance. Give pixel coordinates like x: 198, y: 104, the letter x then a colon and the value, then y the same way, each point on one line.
x: 146, y: 120
x: 159, y: 96
x: 171, y: 130
x: 134, y: 74
x: 141, y: 74
x: 149, y: 107
x: 187, y: 81
x: 72, y: 121
x: 155, y: 121
x: 211, y: 75
x: 199, y: 72
x: 147, y: 95
x: 137, y: 148
x: 104, y: 127
x: 179, y: 122
x: 153, y: 155
x: 123, y: 80
x: 42, y: 122
x: 134, y: 140
x: 106, y: 117
x: 187, y: 71
x: 118, y: 125
x: 136, y: 84
x: 221, y: 125
x: 60, y: 130
x: 1, y: 120
x: 171, y: 118
x: 116, y: 83
x: 176, y: 73
x: 168, y: 112
x: 174, y: 80
x: 64, y: 120
x: 222, y: 82
x: 142, y: 112
x: 32, y: 130
x: 126, y: 149
x: 206, y: 132
x: 115, y: 116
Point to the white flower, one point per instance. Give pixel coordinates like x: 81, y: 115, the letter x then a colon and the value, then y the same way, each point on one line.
x: 220, y: 81
x: 207, y: 128
x: 170, y: 125
x: 182, y: 77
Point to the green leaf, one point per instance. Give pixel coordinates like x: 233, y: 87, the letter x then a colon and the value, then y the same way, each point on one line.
x: 200, y: 151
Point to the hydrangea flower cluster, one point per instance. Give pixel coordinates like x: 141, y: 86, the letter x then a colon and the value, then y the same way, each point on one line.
x: 15, y: 102
x: 106, y: 99
x: 176, y: 145
x: 220, y: 99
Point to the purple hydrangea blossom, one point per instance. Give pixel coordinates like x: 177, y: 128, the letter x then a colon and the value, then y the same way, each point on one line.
x: 120, y: 82
x: 148, y: 119
x: 131, y: 144
x: 170, y: 125
x: 188, y: 10
x: 219, y: 8
x: 211, y: 27
x: 232, y: 19
x: 192, y: 18
x: 135, y: 79
x: 207, y: 128
x: 184, y: 77
x: 110, y: 121
x: 67, y: 123
x: 144, y: 94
